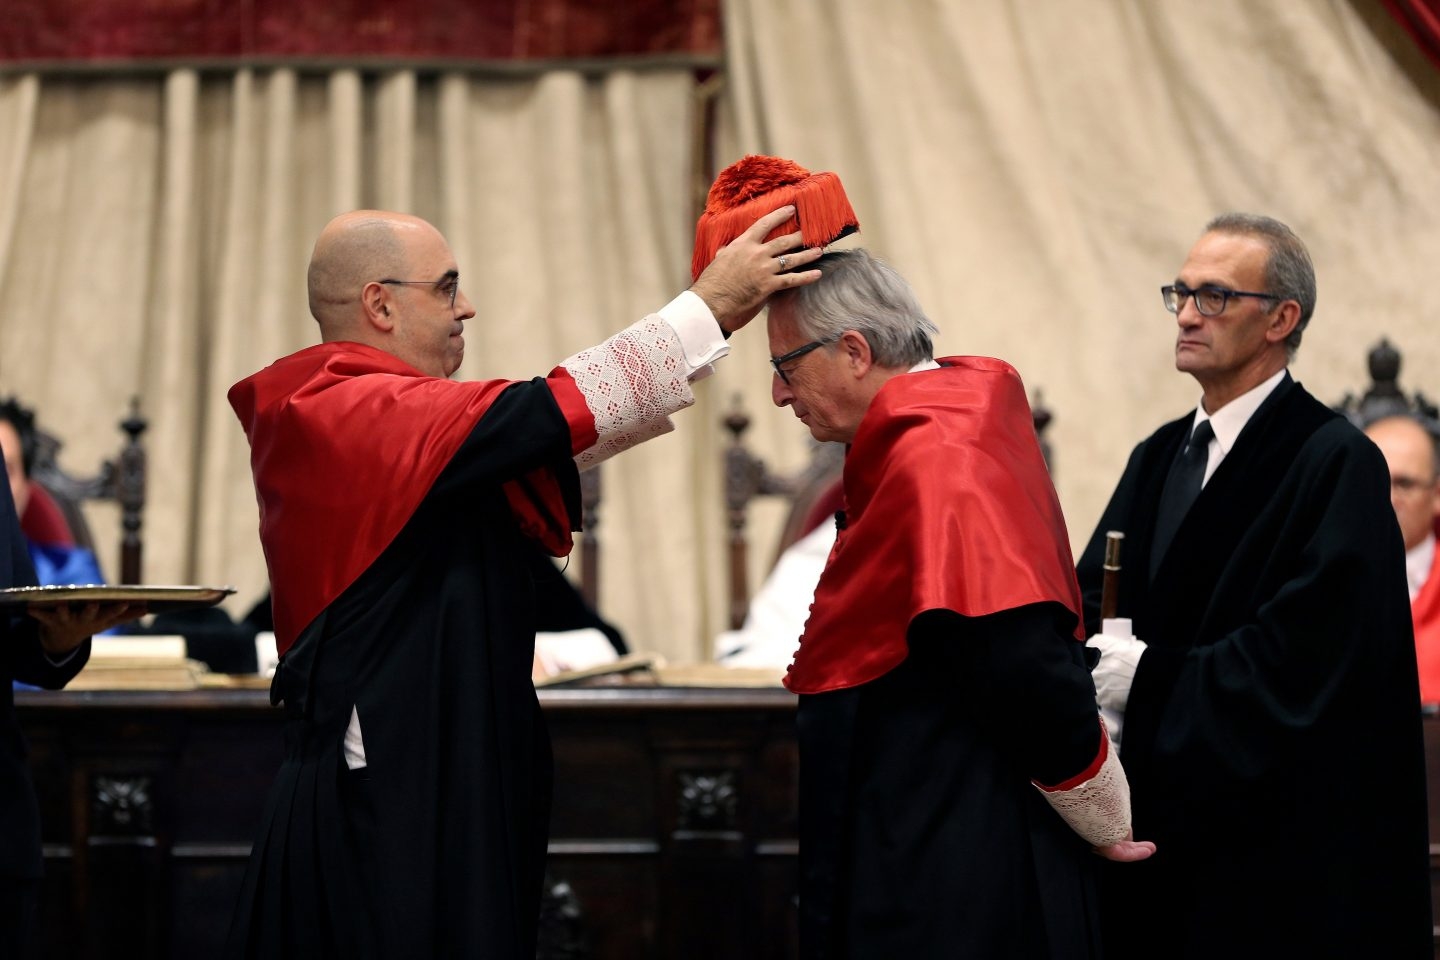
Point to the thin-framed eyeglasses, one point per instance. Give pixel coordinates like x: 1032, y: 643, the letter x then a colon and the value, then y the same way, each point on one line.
x: 796, y: 354
x: 448, y: 285
x: 1408, y: 486
x: 1210, y: 300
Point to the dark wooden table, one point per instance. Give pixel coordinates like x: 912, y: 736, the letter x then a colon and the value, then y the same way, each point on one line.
x: 673, y: 835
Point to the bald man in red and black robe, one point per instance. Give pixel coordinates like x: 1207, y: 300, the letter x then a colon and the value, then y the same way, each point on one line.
x: 410, y: 815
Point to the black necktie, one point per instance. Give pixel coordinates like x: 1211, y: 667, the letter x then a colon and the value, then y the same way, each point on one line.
x: 1182, y: 486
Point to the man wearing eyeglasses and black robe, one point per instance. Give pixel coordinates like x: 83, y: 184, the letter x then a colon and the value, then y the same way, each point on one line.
x: 1271, y: 714
x: 410, y: 815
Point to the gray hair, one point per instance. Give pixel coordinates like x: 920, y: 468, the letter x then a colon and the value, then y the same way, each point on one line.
x: 1289, y: 273
x: 862, y: 293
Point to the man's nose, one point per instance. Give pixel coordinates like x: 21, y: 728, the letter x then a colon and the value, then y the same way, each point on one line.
x: 1189, y: 315
x: 780, y: 391
x: 465, y: 309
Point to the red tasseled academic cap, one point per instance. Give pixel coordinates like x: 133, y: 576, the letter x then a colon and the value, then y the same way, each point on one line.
x: 750, y: 188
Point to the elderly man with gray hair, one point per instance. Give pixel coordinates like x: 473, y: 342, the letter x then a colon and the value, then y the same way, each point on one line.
x: 941, y: 673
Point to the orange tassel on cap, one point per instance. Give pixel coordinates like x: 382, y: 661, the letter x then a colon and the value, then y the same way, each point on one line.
x: 750, y: 188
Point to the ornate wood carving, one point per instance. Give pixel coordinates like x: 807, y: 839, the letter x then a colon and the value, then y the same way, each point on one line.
x: 122, y: 806
x: 121, y: 479
x: 1384, y: 398
x: 562, y: 923
x: 707, y: 800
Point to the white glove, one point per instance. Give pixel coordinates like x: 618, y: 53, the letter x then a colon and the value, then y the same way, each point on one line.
x: 1119, y: 656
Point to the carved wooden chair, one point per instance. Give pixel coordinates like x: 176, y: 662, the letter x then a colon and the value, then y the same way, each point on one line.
x: 55, y: 512
x: 1384, y: 397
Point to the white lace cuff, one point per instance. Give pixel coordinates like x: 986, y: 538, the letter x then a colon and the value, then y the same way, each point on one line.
x: 1098, y: 809
x: 631, y: 383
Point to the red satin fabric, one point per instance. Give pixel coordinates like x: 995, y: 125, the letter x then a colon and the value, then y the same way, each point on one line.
x: 43, y: 522
x: 948, y: 507
x: 346, y: 441
x: 1425, y: 609
x: 1421, y: 19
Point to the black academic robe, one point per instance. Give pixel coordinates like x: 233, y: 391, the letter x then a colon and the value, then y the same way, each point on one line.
x: 21, y: 658
x: 921, y: 832
x: 1272, y: 736
x: 438, y: 848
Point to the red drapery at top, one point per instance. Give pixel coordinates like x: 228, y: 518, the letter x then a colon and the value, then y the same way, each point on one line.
x: 1421, y: 19
x: 66, y: 31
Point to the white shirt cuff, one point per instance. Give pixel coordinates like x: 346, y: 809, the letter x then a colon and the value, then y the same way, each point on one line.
x: 700, y: 336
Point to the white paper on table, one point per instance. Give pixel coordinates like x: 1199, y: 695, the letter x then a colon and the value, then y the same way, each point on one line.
x: 574, y: 649
x: 266, y: 654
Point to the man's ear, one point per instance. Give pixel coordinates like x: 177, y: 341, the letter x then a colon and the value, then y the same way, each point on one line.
x: 375, y: 301
x: 1283, y: 321
x: 857, y: 352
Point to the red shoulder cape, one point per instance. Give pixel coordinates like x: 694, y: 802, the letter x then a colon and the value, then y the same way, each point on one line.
x: 345, y: 442
x: 948, y: 506
x: 1425, y: 608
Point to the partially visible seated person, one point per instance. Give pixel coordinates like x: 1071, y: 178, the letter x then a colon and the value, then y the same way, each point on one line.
x: 778, y: 610
x: 53, y: 552
x: 1412, y: 452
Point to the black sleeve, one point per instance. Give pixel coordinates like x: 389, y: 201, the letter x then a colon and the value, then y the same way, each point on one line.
x: 1024, y: 680
x: 523, y: 430
x: 32, y: 666
x: 19, y: 635
x: 559, y: 606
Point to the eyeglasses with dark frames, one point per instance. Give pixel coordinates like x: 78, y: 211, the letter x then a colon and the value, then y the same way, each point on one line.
x: 1210, y: 300
x: 796, y: 354
x: 1410, y: 486
x: 448, y: 285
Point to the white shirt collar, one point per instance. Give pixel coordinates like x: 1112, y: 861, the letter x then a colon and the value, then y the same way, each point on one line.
x: 1229, y: 420
x: 1418, y: 564
x: 924, y: 365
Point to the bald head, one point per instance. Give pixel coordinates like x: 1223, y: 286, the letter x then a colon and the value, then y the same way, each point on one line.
x: 390, y: 281
x: 1414, y: 460
x: 354, y: 249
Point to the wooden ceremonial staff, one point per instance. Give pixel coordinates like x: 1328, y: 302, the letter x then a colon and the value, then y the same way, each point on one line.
x: 1110, y: 586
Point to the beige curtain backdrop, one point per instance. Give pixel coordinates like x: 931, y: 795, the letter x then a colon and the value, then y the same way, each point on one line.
x: 1037, y: 168
x: 154, y: 234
